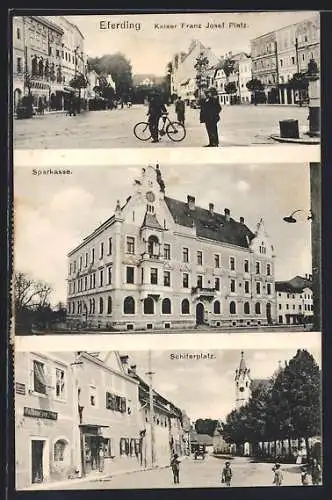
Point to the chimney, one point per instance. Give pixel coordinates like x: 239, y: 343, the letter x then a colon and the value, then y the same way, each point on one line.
x: 124, y: 361
x: 191, y: 202
x: 227, y: 214
x: 211, y: 208
x: 241, y: 220
x: 133, y: 369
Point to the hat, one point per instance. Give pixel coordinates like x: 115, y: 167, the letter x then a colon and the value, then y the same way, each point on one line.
x: 227, y: 463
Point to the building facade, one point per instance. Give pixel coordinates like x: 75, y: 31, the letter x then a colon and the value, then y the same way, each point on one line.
x: 265, y: 64
x: 238, y: 77
x: 163, y: 263
x: 295, y: 300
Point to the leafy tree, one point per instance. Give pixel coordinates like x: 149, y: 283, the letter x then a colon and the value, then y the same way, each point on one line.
x: 79, y: 82
x: 201, y: 66
x: 299, y: 81
x: 206, y: 426
x: 119, y: 67
x: 228, y: 65
x: 256, y: 87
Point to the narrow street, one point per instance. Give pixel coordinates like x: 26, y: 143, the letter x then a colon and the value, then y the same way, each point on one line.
x: 195, y: 474
x: 239, y: 126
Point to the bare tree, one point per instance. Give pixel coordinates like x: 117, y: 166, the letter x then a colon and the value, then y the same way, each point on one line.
x: 30, y: 294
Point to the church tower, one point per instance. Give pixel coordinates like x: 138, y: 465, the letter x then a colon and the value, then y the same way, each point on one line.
x: 242, y: 384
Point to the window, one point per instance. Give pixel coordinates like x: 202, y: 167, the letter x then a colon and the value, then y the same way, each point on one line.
x: 109, y: 246
x: 300, y: 307
x: 101, y: 250
x: 216, y: 307
x: 19, y: 64
x: 246, y: 308
x: 217, y: 260
x: 232, y: 308
x: 85, y: 283
x: 287, y: 306
x: 232, y: 286
x: 101, y: 305
x: 59, y: 450
x: 93, y: 395
x: 279, y: 306
x: 258, y: 287
x: 199, y: 258
x: 268, y: 269
x: 268, y: 288
x: 258, y: 267
x: 101, y: 277
x: 59, y: 383
x: 199, y: 281
x: 18, y: 33
x: 257, y: 308
x: 167, y: 278
x: 293, y: 60
x: 81, y: 261
x: 166, y: 307
x: 167, y: 251
x: 185, y: 306
x: 129, y: 305
x: 86, y: 259
x: 94, y: 280
x: 148, y: 306
x: 109, y: 275
x: 153, y: 246
x: 39, y: 377
x: 246, y: 266
x: 154, y: 276
x: 246, y: 287
x: 185, y: 280
x: 130, y: 245
x: 92, y: 255
x: 217, y: 284
x: 129, y: 274
x: 109, y: 305
x: 232, y: 264
x: 185, y: 254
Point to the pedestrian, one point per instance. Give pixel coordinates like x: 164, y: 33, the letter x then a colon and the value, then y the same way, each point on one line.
x: 175, y: 465
x: 210, y: 111
x: 156, y: 109
x: 180, y: 110
x: 305, y: 476
x: 40, y: 106
x: 227, y: 474
x: 316, y: 472
x: 278, y: 475
x: 101, y: 458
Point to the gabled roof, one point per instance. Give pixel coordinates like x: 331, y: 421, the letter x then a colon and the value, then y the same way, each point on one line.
x: 150, y: 220
x: 211, y: 226
x: 201, y: 438
x: 295, y: 285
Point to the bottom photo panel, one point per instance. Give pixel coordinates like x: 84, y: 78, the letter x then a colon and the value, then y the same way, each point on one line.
x: 246, y: 415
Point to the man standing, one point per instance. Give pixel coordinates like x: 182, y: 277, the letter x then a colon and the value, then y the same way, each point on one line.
x: 316, y: 472
x: 210, y: 110
x: 175, y: 465
x: 180, y: 110
x: 156, y: 109
x: 227, y: 474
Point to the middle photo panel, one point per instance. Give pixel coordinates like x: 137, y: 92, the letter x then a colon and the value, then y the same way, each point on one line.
x: 168, y: 248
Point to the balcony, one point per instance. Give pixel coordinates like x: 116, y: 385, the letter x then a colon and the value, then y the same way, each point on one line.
x: 203, y: 292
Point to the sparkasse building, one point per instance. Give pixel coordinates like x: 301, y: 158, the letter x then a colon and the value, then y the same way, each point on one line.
x: 160, y: 263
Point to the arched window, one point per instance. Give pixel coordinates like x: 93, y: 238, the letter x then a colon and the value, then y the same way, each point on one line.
x: 129, y: 305
x: 185, y: 306
x: 257, y: 308
x: 216, y: 307
x: 166, y: 307
x: 59, y: 450
x: 109, y: 305
x: 246, y: 308
x: 232, y: 307
x: 153, y: 246
x: 101, y: 305
x: 74, y: 307
x: 148, y: 306
x: 93, y: 306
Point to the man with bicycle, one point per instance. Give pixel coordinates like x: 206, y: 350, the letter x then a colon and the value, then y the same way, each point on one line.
x: 156, y: 109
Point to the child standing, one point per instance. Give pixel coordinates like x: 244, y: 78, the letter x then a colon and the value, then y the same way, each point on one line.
x: 227, y: 474
x: 278, y: 475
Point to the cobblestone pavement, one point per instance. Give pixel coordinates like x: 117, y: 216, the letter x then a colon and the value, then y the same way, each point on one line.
x: 196, y: 474
x: 239, y: 126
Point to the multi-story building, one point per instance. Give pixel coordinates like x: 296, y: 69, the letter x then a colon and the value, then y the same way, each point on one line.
x: 265, y: 64
x: 159, y: 262
x: 238, y: 76
x: 18, y: 59
x: 295, y: 300
x: 245, y: 75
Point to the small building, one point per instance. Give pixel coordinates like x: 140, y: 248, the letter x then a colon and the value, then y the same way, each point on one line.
x: 220, y: 446
x: 295, y: 300
x: 202, y: 440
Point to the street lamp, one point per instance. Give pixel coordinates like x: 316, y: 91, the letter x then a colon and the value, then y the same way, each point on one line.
x: 291, y: 219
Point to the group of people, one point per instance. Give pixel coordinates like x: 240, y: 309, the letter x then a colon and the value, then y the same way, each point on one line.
x: 209, y: 115
x: 310, y: 473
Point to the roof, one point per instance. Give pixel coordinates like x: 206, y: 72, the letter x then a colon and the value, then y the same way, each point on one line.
x: 201, y: 438
x: 243, y: 366
x: 211, y: 226
x: 295, y: 285
x: 150, y: 220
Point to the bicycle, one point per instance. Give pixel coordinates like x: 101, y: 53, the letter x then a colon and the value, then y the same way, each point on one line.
x: 174, y: 130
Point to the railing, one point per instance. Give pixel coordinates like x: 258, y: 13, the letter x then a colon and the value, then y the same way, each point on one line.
x: 202, y: 290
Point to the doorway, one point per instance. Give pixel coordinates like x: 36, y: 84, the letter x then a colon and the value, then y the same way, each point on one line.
x: 199, y: 314
x: 268, y: 313
x: 37, y: 466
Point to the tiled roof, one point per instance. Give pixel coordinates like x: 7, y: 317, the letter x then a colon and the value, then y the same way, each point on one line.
x: 150, y: 220
x: 201, y: 438
x: 295, y: 285
x: 211, y: 226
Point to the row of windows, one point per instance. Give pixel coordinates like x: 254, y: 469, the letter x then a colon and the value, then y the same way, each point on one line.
x: 307, y: 307
x: 154, y: 250
x: 42, y: 380
x: 302, y: 296
x: 129, y: 306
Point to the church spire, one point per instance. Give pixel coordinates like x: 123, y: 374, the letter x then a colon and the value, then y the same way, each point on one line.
x: 243, y: 366
x: 160, y: 179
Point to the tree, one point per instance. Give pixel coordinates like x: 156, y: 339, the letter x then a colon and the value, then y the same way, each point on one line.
x: 206, y: 426
x: 119, y: 67
x: 230, y: 88
x: 256, y: 87
x: 201, y: 66
x: 228, y: 65
x: 79, y: 82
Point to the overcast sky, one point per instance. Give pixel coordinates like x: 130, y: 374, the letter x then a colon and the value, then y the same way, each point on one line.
x: 205, y: 388
x: 53, y: 214
x: 150, y: 49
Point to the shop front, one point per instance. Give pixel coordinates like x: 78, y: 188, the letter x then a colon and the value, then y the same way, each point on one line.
x: 93, y: 448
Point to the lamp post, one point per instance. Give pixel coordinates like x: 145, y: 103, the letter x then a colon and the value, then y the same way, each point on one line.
x: 150, y: 374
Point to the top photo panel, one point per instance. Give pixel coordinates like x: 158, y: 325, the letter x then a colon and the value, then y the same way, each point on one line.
x: 166, y: 80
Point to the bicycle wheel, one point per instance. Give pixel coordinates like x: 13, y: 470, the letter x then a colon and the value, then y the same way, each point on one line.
x: 176, y: 131
x: 142, y: 131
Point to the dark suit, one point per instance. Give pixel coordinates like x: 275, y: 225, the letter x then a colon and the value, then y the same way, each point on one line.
x: 210, y: 110
x: 156, y: 109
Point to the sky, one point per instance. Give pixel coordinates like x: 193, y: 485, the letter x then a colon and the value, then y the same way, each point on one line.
x: 205, y: 388
x: 53, y: 213
x: 150, y: 49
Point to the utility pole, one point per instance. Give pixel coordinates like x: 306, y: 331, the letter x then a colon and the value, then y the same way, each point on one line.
x: 150, y: 374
